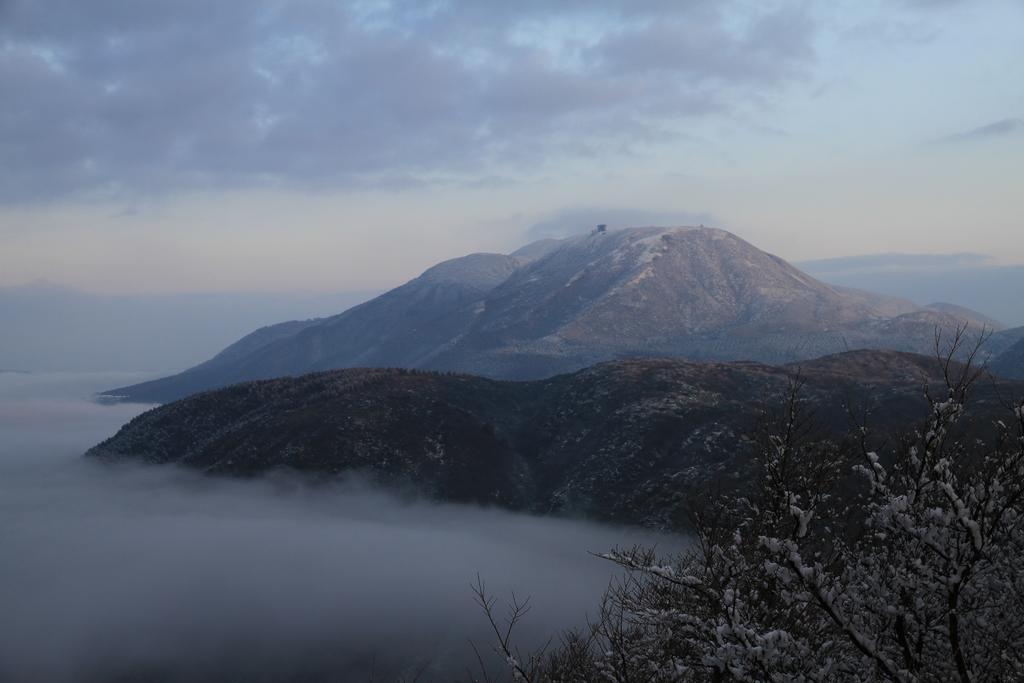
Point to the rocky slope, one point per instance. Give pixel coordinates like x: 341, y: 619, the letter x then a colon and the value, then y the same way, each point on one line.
x: 625, y: 441
x: 559, y: 305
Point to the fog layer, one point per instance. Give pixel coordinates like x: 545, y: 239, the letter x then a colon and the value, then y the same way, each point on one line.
x: 111, y: 571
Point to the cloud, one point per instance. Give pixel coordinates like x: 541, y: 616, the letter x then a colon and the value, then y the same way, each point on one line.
x: 573, y: 221
x: 773, y: 47
x: 112, y: 99
x: 996, y: 129
x: 156, y: 573
x: 932, y: 4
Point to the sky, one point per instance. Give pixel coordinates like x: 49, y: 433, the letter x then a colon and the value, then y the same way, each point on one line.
x: 315, y: 145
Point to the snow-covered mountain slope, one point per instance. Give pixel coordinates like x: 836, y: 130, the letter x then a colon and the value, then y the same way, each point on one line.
x: 559, y: 305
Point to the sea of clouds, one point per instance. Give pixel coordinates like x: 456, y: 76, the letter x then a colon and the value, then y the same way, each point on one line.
x: 121, y: 572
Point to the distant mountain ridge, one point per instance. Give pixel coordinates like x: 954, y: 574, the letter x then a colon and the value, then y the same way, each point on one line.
x: 976, y: 281
x: 559, y: 305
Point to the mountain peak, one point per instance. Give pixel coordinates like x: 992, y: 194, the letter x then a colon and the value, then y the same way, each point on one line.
x: 553, y: 306
x: 651, y: 286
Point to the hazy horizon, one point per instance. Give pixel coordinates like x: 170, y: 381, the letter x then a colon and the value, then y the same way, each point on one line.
x: 58, y: 328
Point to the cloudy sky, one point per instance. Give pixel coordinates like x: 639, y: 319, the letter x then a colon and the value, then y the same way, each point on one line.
x: 184, y: 145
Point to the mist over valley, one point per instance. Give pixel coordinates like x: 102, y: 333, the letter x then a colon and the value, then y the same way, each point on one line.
x: 159, y: 572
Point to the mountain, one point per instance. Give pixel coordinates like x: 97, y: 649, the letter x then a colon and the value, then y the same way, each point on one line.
x: 968, y: 315
x: 1010, y: 362
x: 624, y: 441
x: 397, y: 328
x: 1006, y: 352
x: 560, y: 305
